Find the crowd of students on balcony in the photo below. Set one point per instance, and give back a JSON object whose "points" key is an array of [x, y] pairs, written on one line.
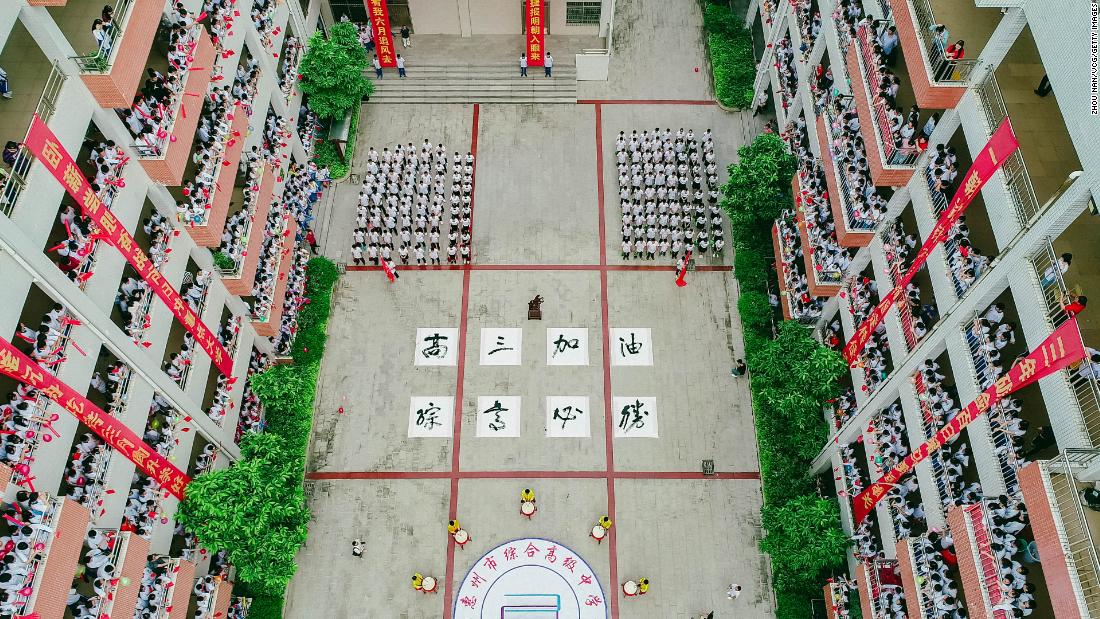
{"points": [[86, 469], [152, 114], [134, 294], [263, 18], [221, 403], [28, 520], [784, 67], [874, 358], [863, 203], [276, 228], [844, 406], [276, 134], [936, 553], [847, 15], [831, 260], [899, 250], [939, 403], [1008, 518], [905, 129], [967, 264], [156, 581], [821, 87], [220, 15], [100, 572], [213, 136], [809, 24], [802, 305], [903, 500], [238, 225], [293, 301], [252, 413], [292, 55]]}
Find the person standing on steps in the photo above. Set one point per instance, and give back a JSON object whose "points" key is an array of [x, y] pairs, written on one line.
{"points": [[406, 35], [377, 67], [548, 65], [523, 65], [400, 66]]}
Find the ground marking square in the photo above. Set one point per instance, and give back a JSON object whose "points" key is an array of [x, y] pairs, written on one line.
{"points": [[501, 346], [631, 346], [436, 346], [568, 416], [634, 416], [566, 346], [498, 416], [431, 416]]}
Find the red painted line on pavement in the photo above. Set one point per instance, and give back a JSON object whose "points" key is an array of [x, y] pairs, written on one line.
{"points": [[456, 428], [609, 447], [542, 267], [645, 102], [641, 475]]}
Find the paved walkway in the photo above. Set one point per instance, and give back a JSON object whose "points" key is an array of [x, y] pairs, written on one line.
{"points": [[545, 222]]}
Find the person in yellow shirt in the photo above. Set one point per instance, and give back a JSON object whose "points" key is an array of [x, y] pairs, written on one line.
{"points": [[527, 496], [453, 526], [605, 522], [418, 581], [643, 586]]}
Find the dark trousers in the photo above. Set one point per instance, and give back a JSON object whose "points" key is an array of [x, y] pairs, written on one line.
{"points": [[378, 73], [523, 71], [401, 72], [548, 71]]}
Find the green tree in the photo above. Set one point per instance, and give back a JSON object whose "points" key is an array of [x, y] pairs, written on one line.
{"points": [[759, 185], [332, 71], [804, 540], [255, 510]]}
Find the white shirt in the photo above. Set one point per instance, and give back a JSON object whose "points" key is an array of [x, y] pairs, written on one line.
{"points": [[549, 61], [523, 61], [400, 62]]}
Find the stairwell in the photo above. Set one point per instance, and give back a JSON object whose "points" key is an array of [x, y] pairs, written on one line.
{"points": [[480, 83]]}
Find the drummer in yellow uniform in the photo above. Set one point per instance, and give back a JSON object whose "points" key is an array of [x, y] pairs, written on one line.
{"points": [[605, 522], [643, 586], [527, 496], [418, 581], [453, 526]]}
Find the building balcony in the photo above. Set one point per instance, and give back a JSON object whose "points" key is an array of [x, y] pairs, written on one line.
{"points": [[54, 554], [938, 81], [915, 564], [113, 72], [890, 163], [875, 362], [1066, 528], [165, 154], [266, 321], [807, 16], [826, 278], [880, 592], [208, 231], [169, 580], [217, 599], [837, 600], [118, 588], [918, 312], [794, 293], [256, 204], [856, 217], [238, 608]]}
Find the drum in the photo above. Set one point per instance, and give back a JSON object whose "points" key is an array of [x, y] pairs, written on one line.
{"points": [[461, 537], [429, 584], [527, 508], [599, 532], [630, 588]]}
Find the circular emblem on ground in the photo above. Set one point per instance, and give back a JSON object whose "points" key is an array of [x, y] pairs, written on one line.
{"points": [[530, 578]]}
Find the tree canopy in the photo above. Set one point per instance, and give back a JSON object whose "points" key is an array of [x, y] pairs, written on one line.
{"points": [[332, 71]]}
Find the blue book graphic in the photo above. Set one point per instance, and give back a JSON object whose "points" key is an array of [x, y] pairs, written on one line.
{"points": [[531, 606]]}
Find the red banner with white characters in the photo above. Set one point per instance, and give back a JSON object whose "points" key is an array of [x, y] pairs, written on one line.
{"points": [[536, 32], [113, 432], [1062, 349], [379, 14], [46, 147], [1000, 146]]}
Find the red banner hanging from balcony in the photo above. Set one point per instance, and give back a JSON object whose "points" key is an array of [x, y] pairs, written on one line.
{"points": [[536, 32], [46, 147], [1000, 146], [113, 432], [1063, 348], [379, 14]]}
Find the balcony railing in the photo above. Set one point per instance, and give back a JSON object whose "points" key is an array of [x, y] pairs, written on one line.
{"points": [[104, 604], [43, 536], [943, 69], [1017, 180], [929, 426], [919, 563], [950, 247], [1076, 539], [163, 595], [14, 181], [891, 152], [989, 570], [1085, 386], [100, 60]]}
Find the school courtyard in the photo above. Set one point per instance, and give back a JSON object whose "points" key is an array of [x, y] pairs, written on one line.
{"points": [[608, 405]]}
